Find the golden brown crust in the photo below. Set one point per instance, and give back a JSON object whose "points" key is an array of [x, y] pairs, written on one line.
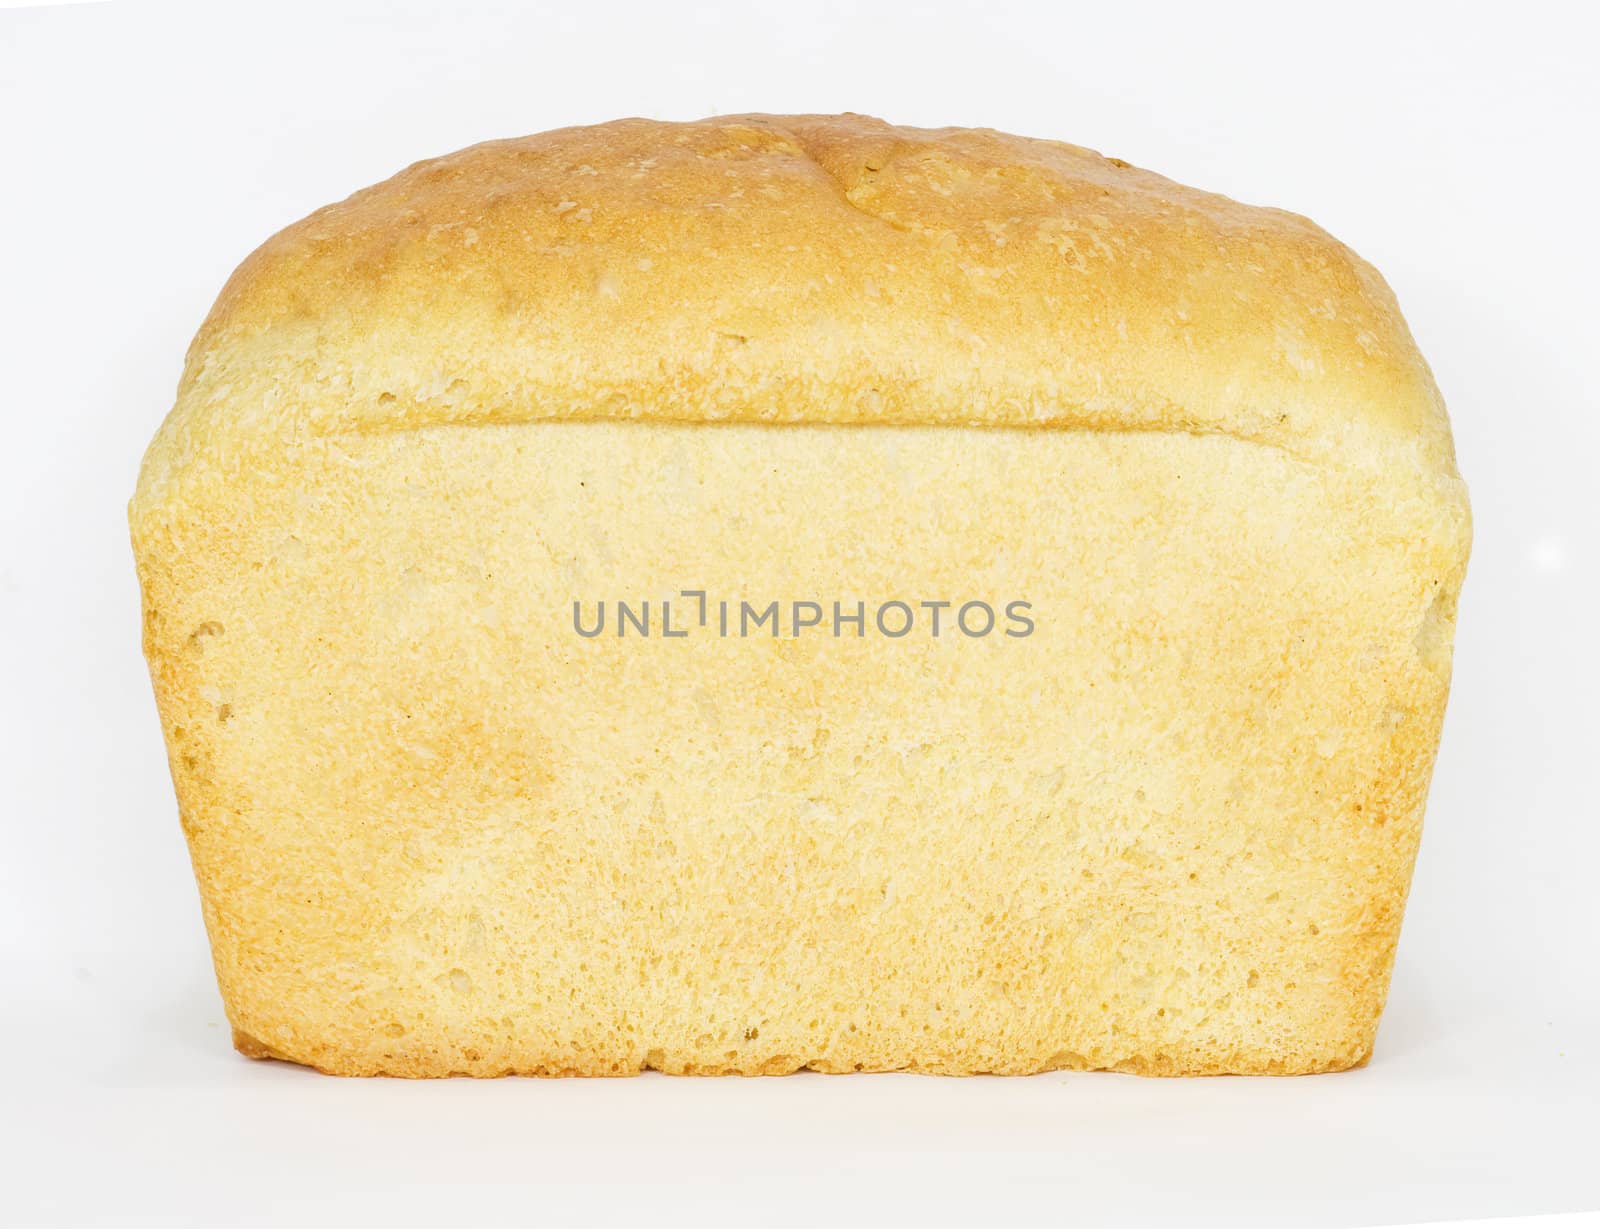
{"points": [[804, 269], [436, 833]]}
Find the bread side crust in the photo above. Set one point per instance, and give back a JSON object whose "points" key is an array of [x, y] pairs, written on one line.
{"points": [[435, 833]]}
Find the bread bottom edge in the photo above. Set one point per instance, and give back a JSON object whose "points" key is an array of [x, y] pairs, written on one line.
{"points": [[1153, 1066]]}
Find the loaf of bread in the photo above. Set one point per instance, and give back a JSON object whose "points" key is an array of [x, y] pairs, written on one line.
{"points": [[796, 592]]}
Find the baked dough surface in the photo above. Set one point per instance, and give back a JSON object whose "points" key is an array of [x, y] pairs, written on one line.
{"points": [[436, 830]]}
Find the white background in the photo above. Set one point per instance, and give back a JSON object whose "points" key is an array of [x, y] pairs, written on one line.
{"points": [[146, 151]]}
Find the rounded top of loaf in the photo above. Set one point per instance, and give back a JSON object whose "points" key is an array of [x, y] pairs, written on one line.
{"points": [[803, 269]]}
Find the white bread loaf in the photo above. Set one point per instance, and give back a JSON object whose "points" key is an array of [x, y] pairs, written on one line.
{"points": [[1159, 817]]}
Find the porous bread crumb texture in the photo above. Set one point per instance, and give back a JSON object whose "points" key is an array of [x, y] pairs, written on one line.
{"points": [[437, 832]]}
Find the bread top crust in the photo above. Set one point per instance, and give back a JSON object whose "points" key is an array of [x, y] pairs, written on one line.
{"points": [[804, 269]]}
